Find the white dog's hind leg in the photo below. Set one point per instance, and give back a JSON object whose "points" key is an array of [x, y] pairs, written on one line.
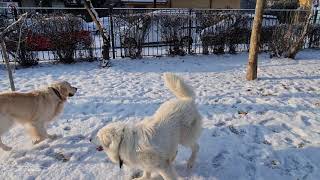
{"points": [[192, 159], [4, 147], [168, 173]]}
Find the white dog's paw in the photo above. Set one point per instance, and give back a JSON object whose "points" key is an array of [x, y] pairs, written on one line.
{"points": [[6, 148]]}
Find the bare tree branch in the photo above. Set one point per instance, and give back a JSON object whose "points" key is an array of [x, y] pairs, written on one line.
{"points": [[4, 49], [11, 26], [106, 42]]}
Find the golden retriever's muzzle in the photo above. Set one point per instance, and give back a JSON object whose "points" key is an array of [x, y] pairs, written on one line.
{"points": [[72, 94]]}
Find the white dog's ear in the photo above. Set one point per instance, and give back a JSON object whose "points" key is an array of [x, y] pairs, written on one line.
{"points": [[103, 139], [111, 138]]}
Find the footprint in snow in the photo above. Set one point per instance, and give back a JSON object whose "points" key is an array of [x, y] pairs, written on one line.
{"points": [[305, 120], [234, 130], [251, 171], [288, 140], [219, 124], [218, 160]]}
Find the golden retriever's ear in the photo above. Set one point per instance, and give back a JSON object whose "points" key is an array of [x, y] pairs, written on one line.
{"points": [[63, 91]]}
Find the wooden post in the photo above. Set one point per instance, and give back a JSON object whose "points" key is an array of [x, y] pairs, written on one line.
{"points": [[154, 3], [255, 40], [6, 59]]}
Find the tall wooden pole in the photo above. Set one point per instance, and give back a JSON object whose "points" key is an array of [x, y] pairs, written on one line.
{"points": [[154, 3], [255, 40]]}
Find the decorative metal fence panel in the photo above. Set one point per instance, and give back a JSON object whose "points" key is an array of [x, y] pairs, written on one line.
{"points": [[139, 33]]}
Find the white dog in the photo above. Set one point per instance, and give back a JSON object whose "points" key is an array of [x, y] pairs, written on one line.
{"points": [[152, 144]]}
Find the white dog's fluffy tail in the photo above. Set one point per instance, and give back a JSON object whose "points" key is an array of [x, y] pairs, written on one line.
{"points": [[178, 87]]}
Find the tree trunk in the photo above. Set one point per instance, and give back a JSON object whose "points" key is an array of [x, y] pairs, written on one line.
{"points": [[106, 40], [255, 40], [6, 59]]}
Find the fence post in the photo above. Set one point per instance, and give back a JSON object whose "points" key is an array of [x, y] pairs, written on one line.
{"points": [[112, 33], [190, 40], [15, 13]]}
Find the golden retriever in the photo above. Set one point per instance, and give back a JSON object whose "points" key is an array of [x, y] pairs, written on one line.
{"points": [[34, 110], [152, 144]]}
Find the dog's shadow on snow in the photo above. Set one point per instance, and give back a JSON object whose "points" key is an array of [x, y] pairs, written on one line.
{"points": [[213, 63], [243, 153], [240, 152]]}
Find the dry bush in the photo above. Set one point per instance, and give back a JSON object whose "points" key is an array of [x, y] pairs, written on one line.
{"points": [[314, 36], [17, 46], [137, 28], [223, 30], [174, 31], [284, 36], [64, 35]]}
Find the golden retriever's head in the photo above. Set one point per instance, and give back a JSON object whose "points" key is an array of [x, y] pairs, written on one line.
{"points": [[108, 139], [65, 89]]}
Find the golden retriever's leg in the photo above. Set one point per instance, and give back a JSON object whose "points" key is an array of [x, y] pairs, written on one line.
{"points": [[192, 159], [4, 147], [5, 124], [37, 132], [146, 176], [168, 173]]}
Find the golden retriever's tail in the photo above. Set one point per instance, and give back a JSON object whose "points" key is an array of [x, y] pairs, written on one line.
{"points": [[178, 87]]}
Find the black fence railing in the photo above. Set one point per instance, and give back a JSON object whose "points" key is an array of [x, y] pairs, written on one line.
{"points": [[54, 34]]}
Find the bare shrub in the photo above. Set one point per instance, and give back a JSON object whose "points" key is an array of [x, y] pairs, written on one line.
{"points": [[173, 32], [17, 46], [223, 30], [134, 33], [64, 35], [283, 37], [314, 36]]}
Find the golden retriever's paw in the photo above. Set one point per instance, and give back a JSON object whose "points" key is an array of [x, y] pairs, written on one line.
{"points": [[6, 148], [53, 137], [190, 164], [37, 140]]}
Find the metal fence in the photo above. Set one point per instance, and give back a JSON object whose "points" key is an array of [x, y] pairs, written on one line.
{"points": [[155, 32]]}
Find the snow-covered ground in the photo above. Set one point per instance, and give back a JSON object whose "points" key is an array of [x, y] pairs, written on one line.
{"points": [[265, 129]]}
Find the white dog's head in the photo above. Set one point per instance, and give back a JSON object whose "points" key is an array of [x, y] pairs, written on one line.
{"points": [[108, 139]]}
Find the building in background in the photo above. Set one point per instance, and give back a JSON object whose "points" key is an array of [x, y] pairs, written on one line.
{"points": [[207, 4], [145, 3]]}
